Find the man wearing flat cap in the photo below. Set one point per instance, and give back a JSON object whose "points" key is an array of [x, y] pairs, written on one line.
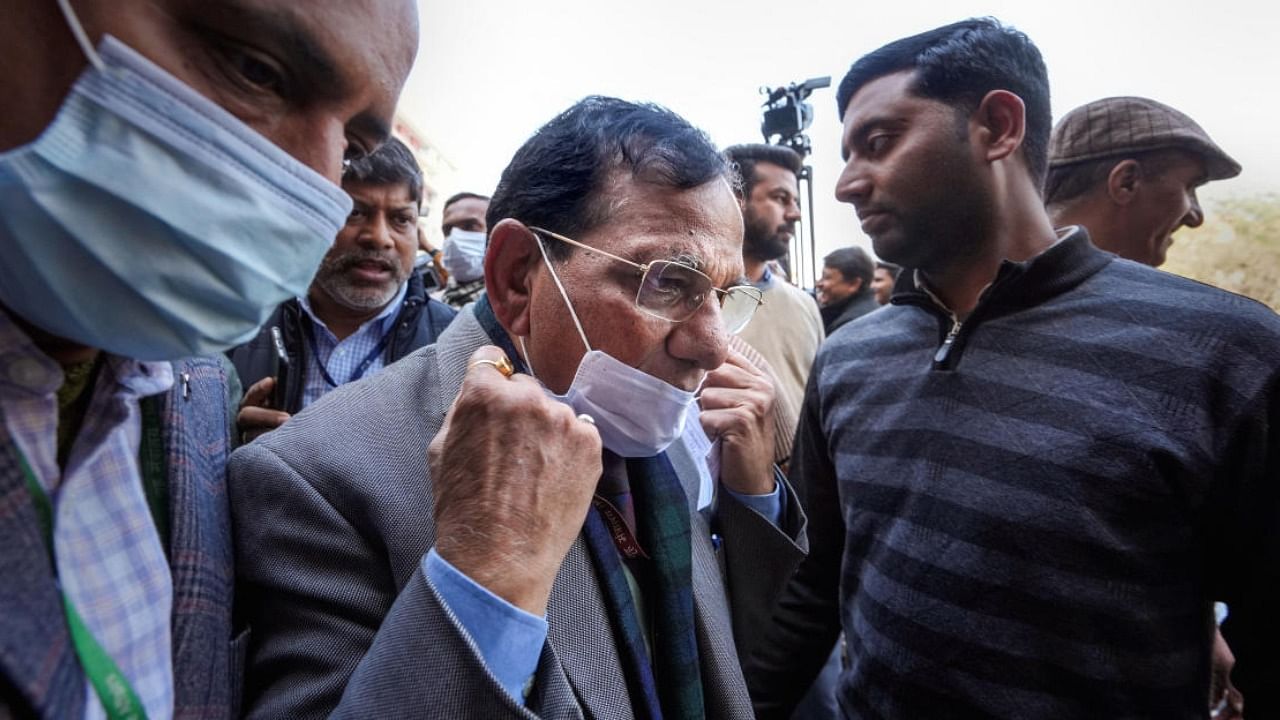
{"points": [[1127, 168]]}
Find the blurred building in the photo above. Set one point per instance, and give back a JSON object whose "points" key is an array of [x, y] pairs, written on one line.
{"points": [[436, 169]]}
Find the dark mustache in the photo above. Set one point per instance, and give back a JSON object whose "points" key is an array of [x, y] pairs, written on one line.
{"points": [[350, 260]]}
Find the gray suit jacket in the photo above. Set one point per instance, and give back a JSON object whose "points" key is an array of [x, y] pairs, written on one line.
{"points": [[333, 513]]}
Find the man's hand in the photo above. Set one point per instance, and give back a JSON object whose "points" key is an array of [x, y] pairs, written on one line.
{"points": [[737, 409], [423, 243], [513, 472], [255, 418]]}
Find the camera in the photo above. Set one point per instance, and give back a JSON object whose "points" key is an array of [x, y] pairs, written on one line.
{"points": [[787, 115]]}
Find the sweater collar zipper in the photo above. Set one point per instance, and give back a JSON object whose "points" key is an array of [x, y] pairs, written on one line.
{"points": [[943, 353]]}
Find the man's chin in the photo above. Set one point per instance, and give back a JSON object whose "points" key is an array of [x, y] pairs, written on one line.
{"points": [[891, 247], [363, 297]]}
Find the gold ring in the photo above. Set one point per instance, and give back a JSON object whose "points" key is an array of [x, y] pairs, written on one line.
{"points": [[587, 419], [503, 366]]}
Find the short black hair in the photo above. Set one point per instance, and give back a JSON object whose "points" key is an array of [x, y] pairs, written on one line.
{"points": [[853, 263], [391, 164], [463, 196], [746, 157], [557, 178], [893, 269], [960, 63]]}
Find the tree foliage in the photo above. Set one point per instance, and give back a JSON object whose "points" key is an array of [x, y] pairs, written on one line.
{"points": [[1237, 248]]}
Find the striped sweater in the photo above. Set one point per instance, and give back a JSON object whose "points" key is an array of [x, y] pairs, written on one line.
{"points": [[1036, 509]]}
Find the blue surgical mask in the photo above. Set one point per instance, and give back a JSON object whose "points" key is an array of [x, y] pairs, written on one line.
{"points": [[637, 414], [464, 255], [149, 222]]}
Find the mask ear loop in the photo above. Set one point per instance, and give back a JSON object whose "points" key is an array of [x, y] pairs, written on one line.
{"points": [[556, 277], [525, 351], [82, 38]]}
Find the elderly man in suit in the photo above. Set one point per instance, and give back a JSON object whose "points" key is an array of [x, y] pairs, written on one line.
{"points": [[566, 507]]}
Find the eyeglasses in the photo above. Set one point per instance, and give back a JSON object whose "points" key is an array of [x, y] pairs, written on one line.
{"points": [[674, 291]]}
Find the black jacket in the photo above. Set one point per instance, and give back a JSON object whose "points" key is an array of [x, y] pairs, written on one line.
{"points": [[420, 322], [851, 308]]}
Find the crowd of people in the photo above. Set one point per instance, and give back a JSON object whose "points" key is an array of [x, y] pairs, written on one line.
{"points": [[269, 453]]}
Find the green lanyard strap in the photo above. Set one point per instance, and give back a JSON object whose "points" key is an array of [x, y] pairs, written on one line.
{"points": [[117, 695]]}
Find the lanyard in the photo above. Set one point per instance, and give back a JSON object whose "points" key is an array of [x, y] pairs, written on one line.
{"points": [[619, 530], [113, 688], [310, 332]]}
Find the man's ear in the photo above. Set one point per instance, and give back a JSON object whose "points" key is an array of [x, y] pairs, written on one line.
{"points": [[509, 265], [1001, 118], [1123, 181], [857, 285]]}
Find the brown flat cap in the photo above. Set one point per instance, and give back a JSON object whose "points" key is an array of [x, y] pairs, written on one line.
{"points": [[1128, 125]]}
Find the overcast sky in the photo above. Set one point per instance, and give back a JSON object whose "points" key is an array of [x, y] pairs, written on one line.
{"points": [[490, 72]]}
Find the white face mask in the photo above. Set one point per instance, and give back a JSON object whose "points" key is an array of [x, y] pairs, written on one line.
{"points": [[637, 414], [464, 255], [149, 222]]}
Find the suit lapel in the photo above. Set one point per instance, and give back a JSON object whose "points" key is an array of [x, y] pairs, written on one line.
{"points": [[35, 648], [723, 687], [453, 351], [583, 638]]}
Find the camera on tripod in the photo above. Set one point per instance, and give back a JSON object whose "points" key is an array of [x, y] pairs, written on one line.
{"points": [[787, 115]]}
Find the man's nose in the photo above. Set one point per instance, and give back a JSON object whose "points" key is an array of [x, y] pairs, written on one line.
{"points": [[377, 232], [320, 143], [792, 213], [853, 184], [701, 339], [1195, 215]]}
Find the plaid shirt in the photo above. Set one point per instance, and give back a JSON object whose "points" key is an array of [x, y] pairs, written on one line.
{"points": [[110, 561], [342, 359]]}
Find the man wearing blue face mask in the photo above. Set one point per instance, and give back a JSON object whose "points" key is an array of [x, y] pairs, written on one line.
{"points": [[366, 308], [147, 215], [464, 245], [598, 528]]}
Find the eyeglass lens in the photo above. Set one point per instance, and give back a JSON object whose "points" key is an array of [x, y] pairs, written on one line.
{"points": [[675, 292]]}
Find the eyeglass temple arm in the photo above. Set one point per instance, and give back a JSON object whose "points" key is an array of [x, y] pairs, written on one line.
{"points": [[636, 265], [588, 248]]}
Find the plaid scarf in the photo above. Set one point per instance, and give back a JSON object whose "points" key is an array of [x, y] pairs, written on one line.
{"points": [[671, 687]]}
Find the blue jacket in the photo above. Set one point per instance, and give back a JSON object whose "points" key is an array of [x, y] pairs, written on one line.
{"points": [[420, 322]]}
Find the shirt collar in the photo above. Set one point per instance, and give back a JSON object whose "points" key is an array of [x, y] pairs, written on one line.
{"points": [[1068, 262], [766, 279]]}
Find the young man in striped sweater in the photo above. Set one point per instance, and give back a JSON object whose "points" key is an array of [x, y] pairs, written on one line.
{"points": [[1032, 473]]}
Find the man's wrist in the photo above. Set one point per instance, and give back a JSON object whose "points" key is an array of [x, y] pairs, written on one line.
{"points": [[761, 481], [513, 580], [770, 505]]}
